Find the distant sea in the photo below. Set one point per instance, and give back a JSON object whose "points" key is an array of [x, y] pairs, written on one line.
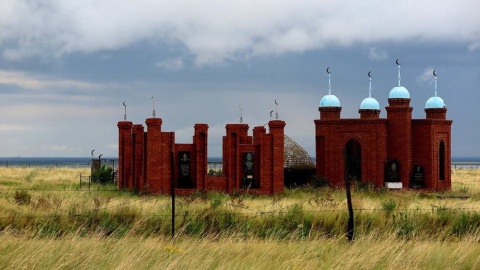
{"points": [[86, 161], [63, 161]]}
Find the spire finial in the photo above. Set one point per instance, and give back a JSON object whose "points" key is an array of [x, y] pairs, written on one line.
{"points": [[435, 74], [370, 87], [241, 113], [329, 82], [276, 110], [399, 77], [125, 113], [153, 103]]}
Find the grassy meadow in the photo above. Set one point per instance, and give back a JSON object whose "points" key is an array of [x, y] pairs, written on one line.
{"points": [[47, 221]]}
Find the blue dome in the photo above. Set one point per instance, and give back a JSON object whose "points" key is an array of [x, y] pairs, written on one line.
{"points": [[329, 101], [435, 103], [399, 92], [369, 104]]}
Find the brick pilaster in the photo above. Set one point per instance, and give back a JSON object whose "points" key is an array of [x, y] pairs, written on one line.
{"points": [[124, 152]]}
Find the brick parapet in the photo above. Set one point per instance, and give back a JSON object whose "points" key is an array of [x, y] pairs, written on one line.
{"points": [[330, 112], [369, 114], [438, 113]]}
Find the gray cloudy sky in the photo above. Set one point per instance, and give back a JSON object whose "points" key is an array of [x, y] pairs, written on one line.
{"points": [[66, 66]]}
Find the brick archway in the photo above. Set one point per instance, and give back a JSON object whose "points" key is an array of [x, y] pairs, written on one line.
{"points": [[441, 160]]}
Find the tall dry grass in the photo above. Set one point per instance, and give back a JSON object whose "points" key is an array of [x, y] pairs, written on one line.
{"points": [[66, 226], [235, 253]]}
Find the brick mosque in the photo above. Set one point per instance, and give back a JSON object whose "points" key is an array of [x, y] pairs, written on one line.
{"points": [[396, 152]]}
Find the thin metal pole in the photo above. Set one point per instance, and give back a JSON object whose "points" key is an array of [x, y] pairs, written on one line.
{"points": [[172, 167], [350, 226]]}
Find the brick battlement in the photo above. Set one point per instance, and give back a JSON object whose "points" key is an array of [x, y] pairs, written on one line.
{"points": [[151, 161]]}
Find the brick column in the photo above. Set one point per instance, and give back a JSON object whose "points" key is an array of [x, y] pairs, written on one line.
{"points": [[138, 162], [259, 134], [399, 142], [153, 143], [124, 152], [200, 141], [277, 132], [232, 168]]}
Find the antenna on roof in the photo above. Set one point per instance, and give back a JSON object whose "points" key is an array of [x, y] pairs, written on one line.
{"points": [[370, 87], [153, 103], [399, 77], [241, 113], [435, 74], [125, 114], [329, 81]]}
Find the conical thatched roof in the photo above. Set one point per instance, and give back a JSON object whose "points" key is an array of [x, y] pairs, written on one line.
{"points": [[295, 156]]}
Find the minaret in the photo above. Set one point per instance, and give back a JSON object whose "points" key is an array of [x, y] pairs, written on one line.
{"points": [[435, 106], [369, 108], [399, 142], [329, 105]]}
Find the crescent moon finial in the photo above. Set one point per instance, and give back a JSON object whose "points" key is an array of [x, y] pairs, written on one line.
{"points": [[92, 152], [125, 113], [100, 157], [276, 103], [369, 74], [396, 61], [434, 72], [271, 113], [328, 70]]}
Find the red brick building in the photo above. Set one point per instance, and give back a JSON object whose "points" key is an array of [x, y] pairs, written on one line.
{"points": [[149, 160], [397, 152]]}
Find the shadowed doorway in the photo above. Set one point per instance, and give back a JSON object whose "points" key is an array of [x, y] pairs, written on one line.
{"points": [[353, 160]]}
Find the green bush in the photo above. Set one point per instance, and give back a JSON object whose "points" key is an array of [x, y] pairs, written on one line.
{"points": [[104, 175], [22, 197]]}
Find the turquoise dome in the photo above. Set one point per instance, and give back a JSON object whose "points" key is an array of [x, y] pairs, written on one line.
{"points": [[329, 101], [369, 104], [399, 92], [435, 103]]}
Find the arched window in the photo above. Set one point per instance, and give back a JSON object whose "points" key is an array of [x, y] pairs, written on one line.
{"points": [[353, 160], [441, 160]]}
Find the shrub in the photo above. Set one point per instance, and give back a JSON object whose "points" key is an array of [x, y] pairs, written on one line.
{"points": [[389, 206], [318, 181], [103, 176], [22, 197]]}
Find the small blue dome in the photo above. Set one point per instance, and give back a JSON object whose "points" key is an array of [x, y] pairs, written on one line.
{"points": [[369, 104], [399, 92], [435, 103], [329, 101]]}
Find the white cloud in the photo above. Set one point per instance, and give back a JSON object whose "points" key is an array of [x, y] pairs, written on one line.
{"points": [[215, 31], [426, 76], [57, 148], [30, 81], [172, 64], [14, 127], [376, 54]]}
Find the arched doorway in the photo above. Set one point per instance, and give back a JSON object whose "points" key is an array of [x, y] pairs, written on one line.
{"points": [[441, 160], [353, 160]]}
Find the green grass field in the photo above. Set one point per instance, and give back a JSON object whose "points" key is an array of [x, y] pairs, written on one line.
{"points": [[47, 221]]}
